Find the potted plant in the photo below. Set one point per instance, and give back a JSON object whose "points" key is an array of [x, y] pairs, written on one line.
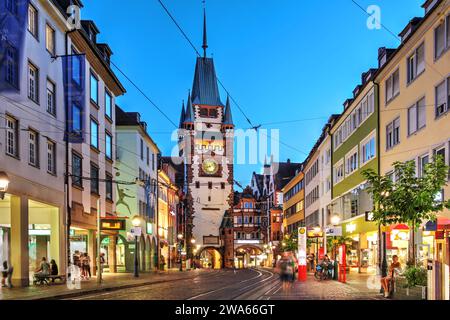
{"points": [[413, 284]]}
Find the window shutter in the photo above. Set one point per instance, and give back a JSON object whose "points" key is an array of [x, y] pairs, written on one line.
{"points": [[439, 40], [412, 120], [420, 59], [421, 114]]}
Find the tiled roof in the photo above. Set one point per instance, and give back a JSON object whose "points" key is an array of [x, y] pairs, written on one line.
{"points": [[205, 90]]}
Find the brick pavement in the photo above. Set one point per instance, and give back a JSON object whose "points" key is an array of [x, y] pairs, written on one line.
{"points": [[110, 282], [358, 287]]}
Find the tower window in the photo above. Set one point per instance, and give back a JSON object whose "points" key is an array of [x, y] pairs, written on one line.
{"points": [[222, 185], [210, 185], [197, 184]]}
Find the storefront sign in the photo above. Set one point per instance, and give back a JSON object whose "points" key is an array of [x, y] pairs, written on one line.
{"points": [[397, 235], [210, 240], [431, 226], [113, 224], [136, 231], [313, 234], [350, 228], [334, 231]]}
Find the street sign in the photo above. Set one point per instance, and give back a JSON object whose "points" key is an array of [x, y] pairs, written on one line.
{"points": [[136, 231], [334, 231], [302, 234], [113, 224]]}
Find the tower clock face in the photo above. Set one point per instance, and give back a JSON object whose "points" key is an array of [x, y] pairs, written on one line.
{"points": [[210, 166]]}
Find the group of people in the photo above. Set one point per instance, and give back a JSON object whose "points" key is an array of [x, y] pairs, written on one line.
{"points": [[83, 261], [46, 268]]}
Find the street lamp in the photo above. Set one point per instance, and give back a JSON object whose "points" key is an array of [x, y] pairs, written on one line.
{"points": [[4, 183], [136, 222], [335, 220], [180, 238]]}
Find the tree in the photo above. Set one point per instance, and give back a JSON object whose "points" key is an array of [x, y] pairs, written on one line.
{"points": [[410, 199], [290, 242]]}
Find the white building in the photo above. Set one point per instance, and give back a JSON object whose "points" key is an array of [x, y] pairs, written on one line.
{"points": [[137, 157]]}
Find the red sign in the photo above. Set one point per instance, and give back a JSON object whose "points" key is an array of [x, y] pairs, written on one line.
{"points": [[321, 253], [342, 263]]}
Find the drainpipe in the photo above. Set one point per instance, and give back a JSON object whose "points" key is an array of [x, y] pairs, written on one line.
{"points": [[381, 234]]}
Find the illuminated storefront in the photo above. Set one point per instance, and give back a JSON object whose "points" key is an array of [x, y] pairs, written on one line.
{"points": [[362, 251]]}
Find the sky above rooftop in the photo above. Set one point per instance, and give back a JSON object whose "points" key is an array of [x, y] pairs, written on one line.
{"points": [[281, 60]]}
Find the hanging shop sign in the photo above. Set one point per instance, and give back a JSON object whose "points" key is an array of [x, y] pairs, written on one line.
{"points": [[314, 234], [430, 226], [369, 216], [334, 231], [113, 224], [350, 228]]}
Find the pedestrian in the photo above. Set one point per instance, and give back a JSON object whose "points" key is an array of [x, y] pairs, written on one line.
{"points": [[87, 265], [76, 258], [102, 261], [312, 262]]}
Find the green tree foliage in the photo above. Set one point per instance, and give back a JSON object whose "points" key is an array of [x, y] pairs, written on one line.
{"points": [[411, 199]]}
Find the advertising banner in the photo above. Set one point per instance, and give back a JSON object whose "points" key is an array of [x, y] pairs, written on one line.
{"points": [[13, 18], [302, 234], [74, 75]]}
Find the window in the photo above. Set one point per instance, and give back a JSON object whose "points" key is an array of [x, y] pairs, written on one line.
{"points": [[222, 185], [148, 156], [12, 137], [442, 97], [11, 66], [94, 179], [33, 83], [393, 134], [51, 98], [77, 172], [76, 118], [153, 161], [33, 148], [33, 20], [76, 67], [351, 162], [108, 145], [339, 172], [393, 86], [142, 149], [197, 184], [416, 63], [210, 185], [442, 38], [423, 161], [368, 151], [50, 39], [94, 134], [51, 157], [108, 104], [108, 186], [417, 117], [94, 89]]}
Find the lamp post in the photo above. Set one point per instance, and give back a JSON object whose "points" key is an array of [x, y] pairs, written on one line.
{"points": [[4, 183], [180, 238], [317, 230], [335, 220], [136, 222]]}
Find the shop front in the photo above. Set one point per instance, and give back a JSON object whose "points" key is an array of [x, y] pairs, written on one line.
{"points": [[362, 246], [29, 231]]}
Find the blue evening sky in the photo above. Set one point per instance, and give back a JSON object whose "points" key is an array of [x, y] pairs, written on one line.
{"points": [[280, 59]]}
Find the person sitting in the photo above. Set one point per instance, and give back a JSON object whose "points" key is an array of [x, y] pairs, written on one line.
{"points": [[394, 270], [44, 268], [6, 275]]}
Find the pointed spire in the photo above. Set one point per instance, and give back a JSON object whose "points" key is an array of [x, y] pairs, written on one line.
{"points": [[205, 40], [189, 111], [228, 118], [183, 115]]}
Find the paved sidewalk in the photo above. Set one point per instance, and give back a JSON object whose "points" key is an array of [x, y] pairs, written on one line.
{"points": [[110, 282]]}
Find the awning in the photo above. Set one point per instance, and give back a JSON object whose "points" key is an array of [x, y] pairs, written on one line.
{"points": [[400, 226], [443, 224]]}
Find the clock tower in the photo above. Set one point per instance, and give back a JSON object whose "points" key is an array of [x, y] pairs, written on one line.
{"points": [[206, 134]]}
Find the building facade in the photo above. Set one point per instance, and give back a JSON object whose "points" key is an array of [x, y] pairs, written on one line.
{"points": [[414, 118], [92, 147], [294, 204], [206, 145], [354, 141], [136, 159], [32, 212]]}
